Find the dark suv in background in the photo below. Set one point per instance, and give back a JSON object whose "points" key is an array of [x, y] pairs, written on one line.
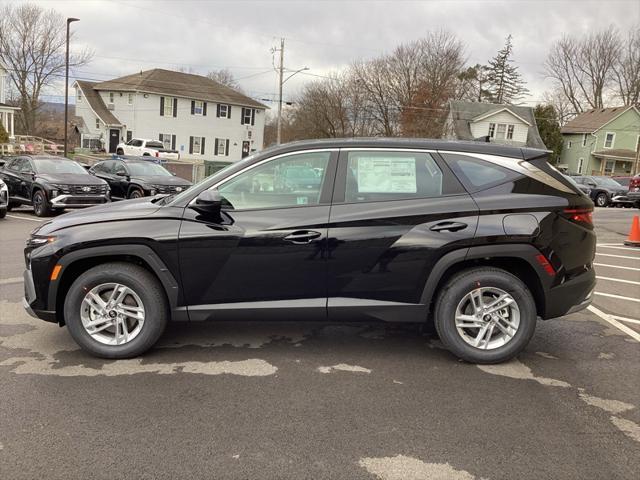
{"points": [[135, 178], [51, 184], [604, 190], [481, 240]]}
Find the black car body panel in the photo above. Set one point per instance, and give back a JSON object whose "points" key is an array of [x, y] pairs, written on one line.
{"points": [[343, 257]]}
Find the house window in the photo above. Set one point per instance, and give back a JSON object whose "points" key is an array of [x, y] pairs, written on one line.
{"points": [[492, 130], [129, 135], [167, 106], [568, 144], [584, 139], [165, 138], [609, 139], [580, 164], [248, 116], [510, 132], [79, 96], [198, 107], [97, 123], [130, 99], [196, 145], [501, 131], [111, 97], [224, 111], [608, 167], [222, 147]]}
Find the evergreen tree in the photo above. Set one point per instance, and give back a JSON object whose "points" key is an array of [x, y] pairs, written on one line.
{"points": [[504, 81], [549, 128], [4, 136]]}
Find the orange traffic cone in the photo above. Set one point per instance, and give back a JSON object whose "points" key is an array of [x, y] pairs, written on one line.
{"points": [[634, 235]]}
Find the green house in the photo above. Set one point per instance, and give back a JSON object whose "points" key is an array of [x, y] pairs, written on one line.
{"points": [[602, 141]]}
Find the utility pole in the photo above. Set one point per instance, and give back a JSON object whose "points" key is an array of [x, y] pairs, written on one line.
{"points": [[280, 82], [66, 88]]}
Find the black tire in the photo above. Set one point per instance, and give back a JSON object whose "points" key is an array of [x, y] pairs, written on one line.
{"points": [[146, 286], [3, 212], [119, 151], [601, 200], [41, 205], [463, 283], [136, 193], [11, 206]]}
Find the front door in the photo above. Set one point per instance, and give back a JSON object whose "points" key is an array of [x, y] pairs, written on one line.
{"points": [[268, 255], [395, 213], [114, 139], [245, 148]]}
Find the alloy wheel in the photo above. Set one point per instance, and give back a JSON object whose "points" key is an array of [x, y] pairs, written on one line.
{"points": [[112, 314], [487, 318]]}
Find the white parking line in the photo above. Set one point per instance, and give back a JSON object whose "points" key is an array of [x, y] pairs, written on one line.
{"points": [[617, 256], [617, 296], [616, 266], [608, 318], [9, 281], [24, 218], [618, 280], [625, 319], [618, 247]]}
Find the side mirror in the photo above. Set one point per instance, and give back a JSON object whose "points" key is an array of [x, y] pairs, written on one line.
{"points": [[209, 203], [121, 174], [591, 184]]}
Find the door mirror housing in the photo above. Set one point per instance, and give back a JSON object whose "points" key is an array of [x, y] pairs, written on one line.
{"points": [[209, 202], [121, 173]]}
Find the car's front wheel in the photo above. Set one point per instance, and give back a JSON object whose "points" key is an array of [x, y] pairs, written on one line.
{"points": [[116, 310], [485, 315], [41, 205], [602, 200], [3, 212], [136, 193]]}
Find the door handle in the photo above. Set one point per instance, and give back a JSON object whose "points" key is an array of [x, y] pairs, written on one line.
{"points": [[302, 236], [450, 226]]}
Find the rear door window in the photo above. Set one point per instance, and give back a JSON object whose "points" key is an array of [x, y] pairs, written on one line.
{"points": [[476, 174]]}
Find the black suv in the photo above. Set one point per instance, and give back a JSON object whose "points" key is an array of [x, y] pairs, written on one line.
{"points": [[51, 184], [135, 178], [479, 239], [603, 189]]}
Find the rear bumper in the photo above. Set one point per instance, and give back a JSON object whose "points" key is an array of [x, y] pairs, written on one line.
{"points": [[572, 296], [78, 201]]}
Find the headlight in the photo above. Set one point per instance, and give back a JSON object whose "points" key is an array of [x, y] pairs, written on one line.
{"points": [[61, 188], [39, 240]]}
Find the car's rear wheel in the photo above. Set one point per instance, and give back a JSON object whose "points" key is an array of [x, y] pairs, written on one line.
{"points": [[601, 200], [485, 315], [116, 310], [136, 193], [41, 205], [119, 151], [3, 212]]}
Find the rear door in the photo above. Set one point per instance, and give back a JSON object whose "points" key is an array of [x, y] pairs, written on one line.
{"points": [[394, 214]]}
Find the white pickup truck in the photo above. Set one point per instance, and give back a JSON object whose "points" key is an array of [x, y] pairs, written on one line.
{"points": [[143, 147]]}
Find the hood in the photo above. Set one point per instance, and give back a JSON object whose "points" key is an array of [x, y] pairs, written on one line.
{"points": [[124, 210], [70, 178], [161, 180]]}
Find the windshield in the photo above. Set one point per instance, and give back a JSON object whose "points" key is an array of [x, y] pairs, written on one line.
{"points": [[55, 165], [147, 168], [607, 182], [573, 182]]}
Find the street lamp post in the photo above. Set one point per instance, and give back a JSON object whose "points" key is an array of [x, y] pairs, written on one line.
{"points": [[280, 100], [66, 88]]}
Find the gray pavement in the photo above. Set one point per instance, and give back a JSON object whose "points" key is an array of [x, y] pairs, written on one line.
{"points": [[275, 400]]}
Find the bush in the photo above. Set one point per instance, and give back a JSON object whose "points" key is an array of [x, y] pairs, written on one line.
{"points": [[4, 136]]}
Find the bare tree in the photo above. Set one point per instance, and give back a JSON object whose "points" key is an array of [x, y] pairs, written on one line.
{"points": [[583, 67], [563, 108], [627, 70], [32, 47], [225, 77], [381, 105]]}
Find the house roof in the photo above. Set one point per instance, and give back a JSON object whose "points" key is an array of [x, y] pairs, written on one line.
{"points": [[616, 152], [4, 105], [95, 102], [465, 113], [178, 84], [592, 120], [495, 112]]}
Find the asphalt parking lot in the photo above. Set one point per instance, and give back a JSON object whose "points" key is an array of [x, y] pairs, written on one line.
{"points": [[303, 400]]}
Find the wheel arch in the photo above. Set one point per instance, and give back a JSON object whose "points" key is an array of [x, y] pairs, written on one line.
{"points": [[78, 262], [515, 259]]}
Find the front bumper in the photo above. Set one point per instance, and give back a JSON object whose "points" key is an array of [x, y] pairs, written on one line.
{"points": [[78, 201], [30, 298]]}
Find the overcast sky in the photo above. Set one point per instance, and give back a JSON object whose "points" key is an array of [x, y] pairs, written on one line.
{"points": [[130, 35]]}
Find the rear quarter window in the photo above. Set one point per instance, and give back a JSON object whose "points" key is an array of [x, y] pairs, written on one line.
{"points": [[476, 174]]}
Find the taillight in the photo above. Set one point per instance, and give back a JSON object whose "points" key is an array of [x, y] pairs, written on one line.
{"points": [[635, 182], [544, 263], [580, 215], [157, 154]]}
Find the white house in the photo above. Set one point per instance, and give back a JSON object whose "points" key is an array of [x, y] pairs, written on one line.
{"points": [[7, 113], [195, 115], [505, 124]]}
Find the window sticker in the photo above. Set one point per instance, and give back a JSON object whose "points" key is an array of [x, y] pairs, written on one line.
{"points": [[386, 175]]}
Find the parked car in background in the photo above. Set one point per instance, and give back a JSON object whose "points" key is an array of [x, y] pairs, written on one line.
{"points": [[4, 198], [129, 178], [634, 190], [51, 184], [143, 147], [603, 189], [583, 188], [478, 238]]}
